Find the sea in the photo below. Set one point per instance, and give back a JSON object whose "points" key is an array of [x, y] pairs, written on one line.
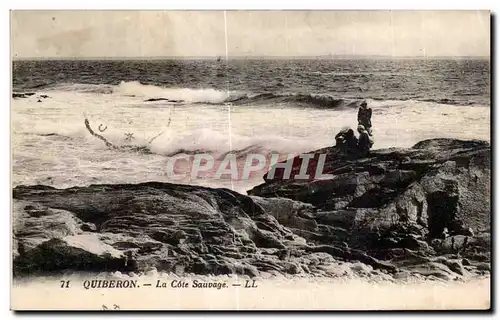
{"points": [[153, 110]]}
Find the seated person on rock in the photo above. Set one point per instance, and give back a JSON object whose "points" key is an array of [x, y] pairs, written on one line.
{"points": [[365, 117], [346, 140], [365, 140]]}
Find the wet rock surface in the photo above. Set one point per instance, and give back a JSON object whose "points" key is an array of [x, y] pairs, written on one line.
{"points": [[19, 95], [393, 213], [23, 95], [163, 99]]}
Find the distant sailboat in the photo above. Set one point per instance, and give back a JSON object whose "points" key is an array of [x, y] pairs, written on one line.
{"points": [[218, 59]]}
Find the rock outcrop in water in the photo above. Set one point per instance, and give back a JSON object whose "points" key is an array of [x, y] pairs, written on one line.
{"points": [[22, 95], [163, 99], [392, 213]]}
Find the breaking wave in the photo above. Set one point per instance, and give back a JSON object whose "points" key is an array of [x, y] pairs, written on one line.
{"points": [[154, 93]]}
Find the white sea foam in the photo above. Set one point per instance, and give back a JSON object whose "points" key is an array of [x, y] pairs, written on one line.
{"points": [[52, 146]]}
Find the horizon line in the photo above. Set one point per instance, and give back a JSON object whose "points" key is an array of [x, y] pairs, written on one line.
{"points": [[269, 57]]}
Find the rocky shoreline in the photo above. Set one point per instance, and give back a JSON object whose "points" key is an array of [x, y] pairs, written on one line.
{"points": [[394, 213]]}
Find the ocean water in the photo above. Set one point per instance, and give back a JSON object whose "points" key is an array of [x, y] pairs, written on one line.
{"points": [[173, 107]]}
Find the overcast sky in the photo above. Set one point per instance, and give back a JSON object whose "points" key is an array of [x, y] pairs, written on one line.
{"points": [[115, 34]]}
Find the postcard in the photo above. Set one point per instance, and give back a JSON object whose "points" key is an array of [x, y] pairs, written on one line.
{"points": [[251, 160]]}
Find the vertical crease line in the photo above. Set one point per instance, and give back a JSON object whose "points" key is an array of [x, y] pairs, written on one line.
{"points": [[227, 93]]}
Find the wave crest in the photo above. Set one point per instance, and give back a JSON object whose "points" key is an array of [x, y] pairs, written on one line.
{"points": [[187, 95], [317, 100], [81, 87], [153, 93]]}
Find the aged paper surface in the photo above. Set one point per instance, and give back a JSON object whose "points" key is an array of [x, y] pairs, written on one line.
{"points": [[250, 160]]}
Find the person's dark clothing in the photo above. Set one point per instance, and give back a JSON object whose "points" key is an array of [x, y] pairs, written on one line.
{"points": [[365, 117], [365, 143], [346, 140]]}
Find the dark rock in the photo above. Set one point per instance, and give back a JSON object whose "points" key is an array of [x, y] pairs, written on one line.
{"points": [[163, 99], [350, 255], [22, 95], [433, 185], [384, 210], [465, 262], [57, 254], [37, 211], [90, 227], [454, 265], [165, 225], [483, 266]]}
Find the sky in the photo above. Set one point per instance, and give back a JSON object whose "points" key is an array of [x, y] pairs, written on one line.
{"points": [[209, 34]]}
